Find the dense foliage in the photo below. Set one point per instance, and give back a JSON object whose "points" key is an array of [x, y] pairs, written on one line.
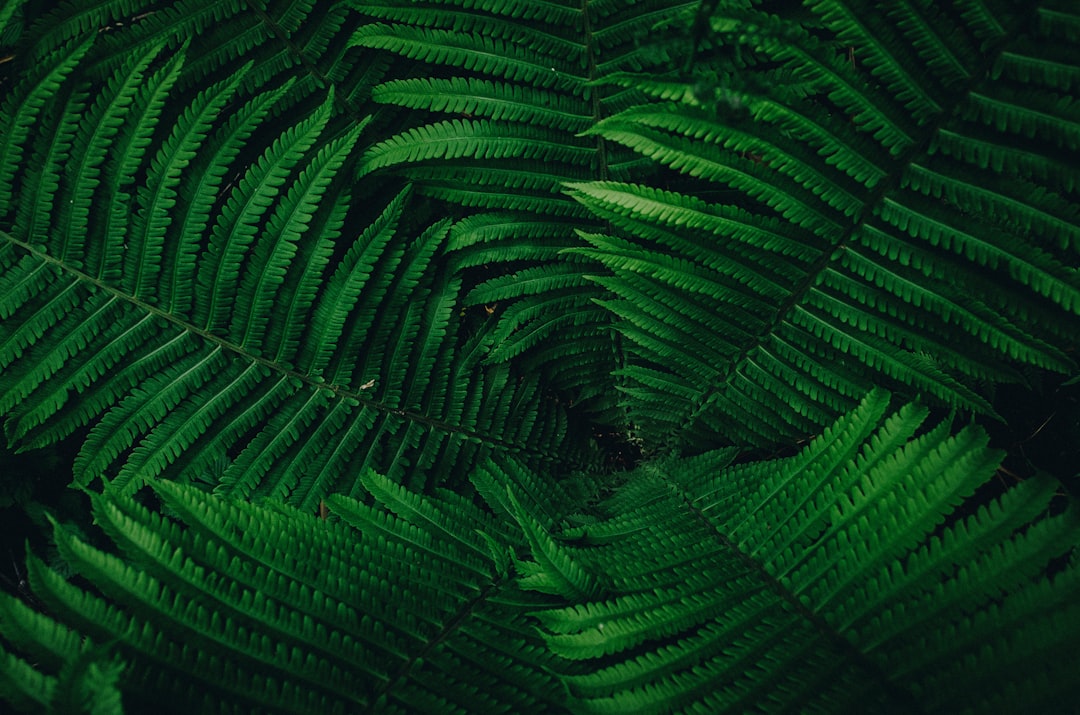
{"points": [[540, 355]]}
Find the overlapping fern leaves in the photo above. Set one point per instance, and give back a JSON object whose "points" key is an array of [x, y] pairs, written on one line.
{"points": [[406, 612], [709, 223], [899, 207], [849, 578], [510, 98], [246, 326]]}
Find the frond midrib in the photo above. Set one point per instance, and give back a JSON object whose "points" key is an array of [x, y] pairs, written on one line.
{"points": [[873, 199], [288, 372], [818, 623], [402, 675]]}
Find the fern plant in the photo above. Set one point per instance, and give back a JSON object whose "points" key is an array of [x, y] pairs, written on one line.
{"points": [[165, 321], [511, 103], [839, 580], [334, 301], [897, 227]]}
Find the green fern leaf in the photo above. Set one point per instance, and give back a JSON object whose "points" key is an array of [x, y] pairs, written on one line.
{"points": [[910, 233], [219, 332], [412, 352], [852, 573]]}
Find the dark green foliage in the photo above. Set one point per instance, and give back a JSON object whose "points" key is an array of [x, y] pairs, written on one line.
{"points": [[341, 304], [774, 585], [510, 102], [891, 226], [262, 320], [847, 578], [305, 615]]}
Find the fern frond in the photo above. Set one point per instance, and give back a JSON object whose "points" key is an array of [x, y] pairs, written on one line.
{"points": [[480, 52], [147, 235], [475, 139], [392, 614], [757, 561], [856, 571], [24, 105], [477, 97], [228, 331], [357, 312], [85, 683], [918, 227], [525, 88]]}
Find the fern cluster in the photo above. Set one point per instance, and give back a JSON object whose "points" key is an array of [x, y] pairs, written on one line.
{"points": [[337, 303], [692, 588], [244, 323]]}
